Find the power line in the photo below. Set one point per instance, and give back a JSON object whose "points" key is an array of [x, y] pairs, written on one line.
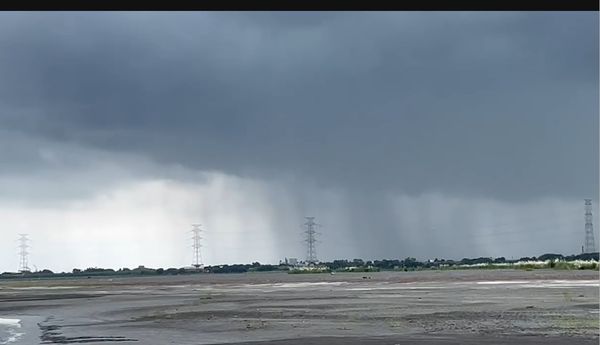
{"points": [[23, 253], [197, 258], [311, 250], [590, 243]]}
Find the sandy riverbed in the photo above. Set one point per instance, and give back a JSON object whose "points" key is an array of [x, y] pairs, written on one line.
{"points": [[433, 307]]}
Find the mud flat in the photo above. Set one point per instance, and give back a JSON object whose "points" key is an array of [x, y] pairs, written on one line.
{"points": [[428, 307]]}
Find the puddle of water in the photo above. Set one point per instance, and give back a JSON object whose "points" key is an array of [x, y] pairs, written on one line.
{"points": [[543, 283], [43, 288], [9, 330]]}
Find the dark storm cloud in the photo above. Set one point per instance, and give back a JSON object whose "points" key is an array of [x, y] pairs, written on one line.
{"points": [[501, 105]]}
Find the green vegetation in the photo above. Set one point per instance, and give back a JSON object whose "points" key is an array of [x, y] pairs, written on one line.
{"points": [[532, 265], [309, 270], [360, 269], [546, 261]]}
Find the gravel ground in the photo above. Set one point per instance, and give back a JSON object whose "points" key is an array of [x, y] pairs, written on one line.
{"points": [[430, 307]]}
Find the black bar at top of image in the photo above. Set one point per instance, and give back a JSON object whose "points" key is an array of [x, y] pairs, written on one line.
{"points": [[296, 5]]}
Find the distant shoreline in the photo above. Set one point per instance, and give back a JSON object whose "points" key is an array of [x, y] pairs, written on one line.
{"points": [[547, 261]]}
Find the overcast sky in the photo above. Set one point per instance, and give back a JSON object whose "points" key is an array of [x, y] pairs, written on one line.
{"points": [[417, 134]]}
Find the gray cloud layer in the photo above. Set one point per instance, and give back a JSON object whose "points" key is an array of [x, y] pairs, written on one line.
{"points": [[490, 105], [502, 105]]}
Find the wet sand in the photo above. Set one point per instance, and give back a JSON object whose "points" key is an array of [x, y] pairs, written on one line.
{"points": [[430, 307]]}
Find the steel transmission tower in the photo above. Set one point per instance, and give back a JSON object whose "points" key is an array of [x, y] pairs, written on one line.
{"points": [[590, 243], [311, 250], [23, 265], [196, 238]]}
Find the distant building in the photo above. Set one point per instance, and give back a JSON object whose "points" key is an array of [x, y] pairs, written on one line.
{"points": [[289, 262]]}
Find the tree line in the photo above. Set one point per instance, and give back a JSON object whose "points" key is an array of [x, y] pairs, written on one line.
{"points": [[358, 265]]}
